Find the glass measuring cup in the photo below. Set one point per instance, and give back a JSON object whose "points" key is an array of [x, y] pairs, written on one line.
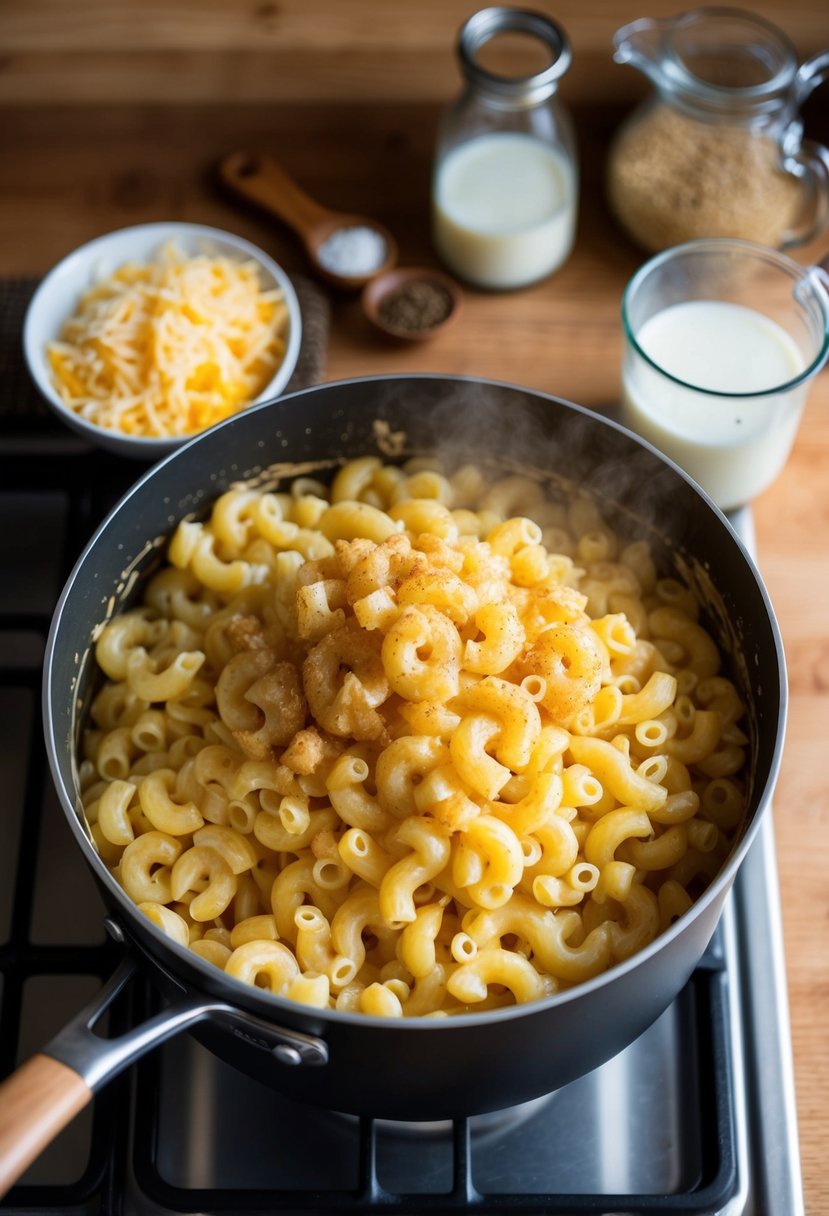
{"points": [[717, 148], [722, 339]]}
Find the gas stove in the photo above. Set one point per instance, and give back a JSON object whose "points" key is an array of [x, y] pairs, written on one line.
{"points": [[696, 1116]]}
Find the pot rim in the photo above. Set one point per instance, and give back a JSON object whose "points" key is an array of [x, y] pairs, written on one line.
{"points": [[273, 1008]]}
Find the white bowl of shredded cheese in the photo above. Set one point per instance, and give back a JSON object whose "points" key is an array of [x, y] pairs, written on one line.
{"points": [[147, 336]]}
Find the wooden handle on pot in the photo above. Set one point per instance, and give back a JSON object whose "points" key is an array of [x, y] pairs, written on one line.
{"points": [[36, 1103]]}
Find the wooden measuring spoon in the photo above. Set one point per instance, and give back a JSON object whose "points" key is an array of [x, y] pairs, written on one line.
{"points": [[258, 178]]}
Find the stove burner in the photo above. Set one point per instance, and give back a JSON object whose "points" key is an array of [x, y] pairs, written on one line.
{"points": [[656, 1120], [490, 1126]]}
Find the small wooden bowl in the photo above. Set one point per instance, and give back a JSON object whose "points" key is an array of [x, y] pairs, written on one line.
{"points": [[380, 291]]}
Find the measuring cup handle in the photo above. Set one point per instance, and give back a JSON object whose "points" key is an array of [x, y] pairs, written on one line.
{"points": [[260, 179], [810, 164]]}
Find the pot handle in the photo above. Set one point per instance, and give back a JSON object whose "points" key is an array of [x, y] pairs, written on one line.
{"points": [[36, 1102], [45, 1093]]}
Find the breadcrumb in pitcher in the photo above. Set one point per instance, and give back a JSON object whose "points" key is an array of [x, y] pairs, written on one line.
{"points": [[673, 179]]}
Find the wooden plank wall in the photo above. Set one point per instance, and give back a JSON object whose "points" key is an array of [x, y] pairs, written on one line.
{"points": [[111, 51]]}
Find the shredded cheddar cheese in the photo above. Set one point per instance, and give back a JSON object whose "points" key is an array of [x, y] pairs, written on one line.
{"points": [[170, 347]]}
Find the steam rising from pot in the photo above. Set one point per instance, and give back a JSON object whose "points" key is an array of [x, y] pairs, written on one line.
{"points": [[473, 421]]}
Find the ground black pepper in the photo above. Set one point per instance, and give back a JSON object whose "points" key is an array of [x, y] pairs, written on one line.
{"points": [[415, 306]]}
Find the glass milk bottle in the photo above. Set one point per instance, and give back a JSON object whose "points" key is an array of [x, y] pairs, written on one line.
{"points": [[505, 181], [716, 149]]}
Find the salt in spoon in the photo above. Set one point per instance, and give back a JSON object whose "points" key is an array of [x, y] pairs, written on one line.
{"points": [[260, 179]]}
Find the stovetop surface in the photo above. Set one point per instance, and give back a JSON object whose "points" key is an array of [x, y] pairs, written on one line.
{"points": [[696, 1116]]}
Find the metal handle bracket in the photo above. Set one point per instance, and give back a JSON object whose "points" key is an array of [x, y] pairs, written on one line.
{"points": [[97, 1059]]}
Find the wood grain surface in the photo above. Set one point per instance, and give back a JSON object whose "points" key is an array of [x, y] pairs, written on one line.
{"points": [[100, 51], [117, 113]]}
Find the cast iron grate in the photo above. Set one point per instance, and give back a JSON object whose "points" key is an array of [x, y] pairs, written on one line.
{"points": [[123, 1172], [85, 486], [711, 1193]]}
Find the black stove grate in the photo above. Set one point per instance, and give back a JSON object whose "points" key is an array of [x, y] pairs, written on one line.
{"points": [[85, 486], [123, 1173], [717, 1185]]}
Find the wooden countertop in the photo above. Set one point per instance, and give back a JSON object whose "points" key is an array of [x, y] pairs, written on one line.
{"points": [[115, 118]]}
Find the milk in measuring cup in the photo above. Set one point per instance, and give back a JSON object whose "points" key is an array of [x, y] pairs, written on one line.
{"points": [[504, 210], [733, 446]]}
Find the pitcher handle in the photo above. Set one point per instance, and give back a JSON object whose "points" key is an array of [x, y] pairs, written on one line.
{"points": [[808, 161], [805, 159], [810, 74]]}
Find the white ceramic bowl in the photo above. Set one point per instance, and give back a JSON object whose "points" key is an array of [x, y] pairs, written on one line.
{"points": [[57, 296]]}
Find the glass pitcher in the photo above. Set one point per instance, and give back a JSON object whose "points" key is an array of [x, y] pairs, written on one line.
{"points": [[505, 179], [718, 148]]}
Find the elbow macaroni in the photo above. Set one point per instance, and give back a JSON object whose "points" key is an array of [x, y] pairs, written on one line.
{"points": [[381, 748]]}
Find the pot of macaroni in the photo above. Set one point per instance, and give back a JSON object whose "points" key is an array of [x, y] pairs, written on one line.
{"points": [[414, 729]]}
